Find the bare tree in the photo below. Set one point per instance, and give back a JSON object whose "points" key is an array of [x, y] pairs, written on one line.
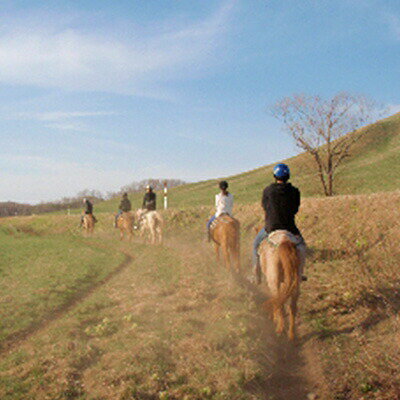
{"points": [[326, 128]]}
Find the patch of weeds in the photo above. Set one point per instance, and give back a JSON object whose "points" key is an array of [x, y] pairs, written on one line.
{"points": [[366, 387], [321, 326], [104, 328]]}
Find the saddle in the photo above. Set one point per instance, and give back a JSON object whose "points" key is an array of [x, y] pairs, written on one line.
{"points": [[275, 238], [222, 218]]}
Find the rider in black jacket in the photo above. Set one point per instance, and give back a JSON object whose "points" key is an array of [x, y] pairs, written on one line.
{"points": [[124, 206], [149, 199], [281, 202], [88, 209]]}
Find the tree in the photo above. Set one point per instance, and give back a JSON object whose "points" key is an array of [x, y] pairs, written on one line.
{"points": [[327, 129]]}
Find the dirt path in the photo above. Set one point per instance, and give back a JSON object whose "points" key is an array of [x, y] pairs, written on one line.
{"points": [[168, 324]]}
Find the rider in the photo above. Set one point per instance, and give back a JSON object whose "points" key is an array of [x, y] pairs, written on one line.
{"points": [[88, 209], [280, 201], [223, 204], [149, 199], [124, 206]]}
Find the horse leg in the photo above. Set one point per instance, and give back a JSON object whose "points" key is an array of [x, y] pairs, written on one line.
{"points": [[216, 246], [235, 257], [152, 235], [279, 320], [226, 256], [292, 315]]}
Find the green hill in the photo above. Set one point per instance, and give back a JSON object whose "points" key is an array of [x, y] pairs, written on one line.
{"points": [[374, 166]]}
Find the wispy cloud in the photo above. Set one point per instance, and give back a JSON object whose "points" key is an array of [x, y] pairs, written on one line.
{"points": [[50, 116], [393, 109], [75, 59], [63, 178]]}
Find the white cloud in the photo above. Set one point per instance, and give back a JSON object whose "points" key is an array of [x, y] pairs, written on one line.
{"points": [[74, 59], [393, 109], [62, 115]]}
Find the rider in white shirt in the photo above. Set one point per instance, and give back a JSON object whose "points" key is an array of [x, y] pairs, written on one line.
{"points": [[223, 204]]}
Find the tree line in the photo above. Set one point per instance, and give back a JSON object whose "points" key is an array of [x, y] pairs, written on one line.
{"points": [[11, 208]]}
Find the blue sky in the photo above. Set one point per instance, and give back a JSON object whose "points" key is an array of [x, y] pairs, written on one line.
{"points": [[96, 94]]}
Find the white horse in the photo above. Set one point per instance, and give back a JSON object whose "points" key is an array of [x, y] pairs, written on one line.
{"points": [[282, 259], [150, 224]]}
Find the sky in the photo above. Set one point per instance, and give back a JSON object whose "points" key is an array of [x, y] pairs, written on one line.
{"points": [[97, 94]]}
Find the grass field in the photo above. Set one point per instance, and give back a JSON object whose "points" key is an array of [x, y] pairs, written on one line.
{"points": [[171, 324]]}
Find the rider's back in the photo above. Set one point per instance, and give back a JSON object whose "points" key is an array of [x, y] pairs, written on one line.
{"points": [[223, 204], [281, 202]]}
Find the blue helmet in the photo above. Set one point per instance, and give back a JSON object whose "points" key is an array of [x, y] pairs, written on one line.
{"points": [[282, 172]]}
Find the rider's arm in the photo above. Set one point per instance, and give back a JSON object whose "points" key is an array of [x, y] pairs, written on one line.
{"points": [[296, 201], [265, 199]]}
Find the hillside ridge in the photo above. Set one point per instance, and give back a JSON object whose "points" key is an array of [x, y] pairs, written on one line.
{"points": [[366, 171]]}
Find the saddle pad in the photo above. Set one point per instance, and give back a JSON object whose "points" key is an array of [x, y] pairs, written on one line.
{"points": [[276, 237], [225, 218]]}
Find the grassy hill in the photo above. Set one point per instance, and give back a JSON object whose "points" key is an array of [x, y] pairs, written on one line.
{"points": [[374, 166]]}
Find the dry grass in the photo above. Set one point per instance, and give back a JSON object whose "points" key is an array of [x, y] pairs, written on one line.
{"points": [[175, 326], [350, 304]]}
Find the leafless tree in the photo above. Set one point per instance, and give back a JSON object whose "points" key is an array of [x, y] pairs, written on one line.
{"points": [[326, 128]]}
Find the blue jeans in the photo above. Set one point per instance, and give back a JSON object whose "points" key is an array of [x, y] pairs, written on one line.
{"points": [[256, 244], [117, 216], [210, 221]]}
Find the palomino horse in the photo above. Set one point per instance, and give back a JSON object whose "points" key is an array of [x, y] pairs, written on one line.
{"points": [[125, 225], [88, 224], [282, 258], [226, 235], [150, 225]]}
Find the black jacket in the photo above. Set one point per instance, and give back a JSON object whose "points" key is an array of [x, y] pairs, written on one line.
{"points": [[281, 201], [88, 207], [125, 205], [149, 201]]}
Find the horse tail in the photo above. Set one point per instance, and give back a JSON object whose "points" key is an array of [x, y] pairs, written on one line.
{"points": [[290, 262]]}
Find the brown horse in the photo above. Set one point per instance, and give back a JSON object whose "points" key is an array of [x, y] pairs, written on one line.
{"points": [[125, 225], [88, 224], [282, 257], [226, 235]]}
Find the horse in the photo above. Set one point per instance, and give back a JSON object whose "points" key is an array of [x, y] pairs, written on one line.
{"points": [[125, 225], [226, 235], [88, 224], [150, 223], [282, 258]]}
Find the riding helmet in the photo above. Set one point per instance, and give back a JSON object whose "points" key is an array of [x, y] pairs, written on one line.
{"points": [[223, 185], [281, 172]]}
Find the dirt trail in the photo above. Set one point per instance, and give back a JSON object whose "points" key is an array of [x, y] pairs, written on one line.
{"points": [[286, 366], [199, 300]]}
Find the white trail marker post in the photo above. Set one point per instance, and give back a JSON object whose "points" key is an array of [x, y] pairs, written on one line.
{"points": [[165, 196]]}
